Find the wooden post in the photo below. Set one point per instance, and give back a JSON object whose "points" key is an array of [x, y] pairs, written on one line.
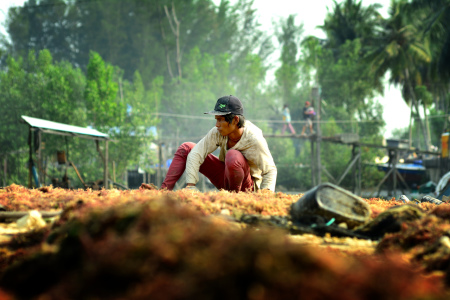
{"points": [[105, 179], [354, 170], [313, 164], [114, 171], [39, 158], [316, 95], [359, 191], [159, 179]]}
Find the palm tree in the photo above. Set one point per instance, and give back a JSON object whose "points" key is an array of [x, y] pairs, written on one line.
{"points": [[350, 21], [436, 27], [350, 28], [401, 50]]}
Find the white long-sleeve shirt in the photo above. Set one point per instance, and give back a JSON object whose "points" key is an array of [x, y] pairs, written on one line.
{"points": [[252, 145]]}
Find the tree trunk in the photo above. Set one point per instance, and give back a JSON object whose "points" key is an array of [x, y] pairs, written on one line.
{"points": [[176, 33], [166, 50], [427, 125]]}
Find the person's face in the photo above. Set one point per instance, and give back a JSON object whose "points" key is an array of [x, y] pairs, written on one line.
{"points": [[224, 127]]}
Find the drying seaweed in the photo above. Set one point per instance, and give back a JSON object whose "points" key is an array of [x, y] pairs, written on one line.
{"points": [[156, 244]]}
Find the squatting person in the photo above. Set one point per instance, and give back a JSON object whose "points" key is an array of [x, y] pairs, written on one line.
{"points": [[245, 162]]}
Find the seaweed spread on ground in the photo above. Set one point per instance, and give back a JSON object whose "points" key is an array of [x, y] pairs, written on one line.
{"points": [[177, 245]]}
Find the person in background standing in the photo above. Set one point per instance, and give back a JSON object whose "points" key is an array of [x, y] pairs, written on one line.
{"points": [[308, 115], [287, 120]]}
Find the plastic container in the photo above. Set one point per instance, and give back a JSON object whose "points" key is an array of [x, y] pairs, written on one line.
{"points": [[61, 157], [444, 144], [331, 201]]}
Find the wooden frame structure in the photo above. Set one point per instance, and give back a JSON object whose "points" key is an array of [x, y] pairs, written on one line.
{"points": [[354, 164], [39, 126]]}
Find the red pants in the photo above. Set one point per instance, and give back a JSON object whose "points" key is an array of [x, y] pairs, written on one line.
{"points": [[231, 175]]}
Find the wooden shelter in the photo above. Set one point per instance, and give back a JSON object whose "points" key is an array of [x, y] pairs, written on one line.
{"points": [[39, 126]]}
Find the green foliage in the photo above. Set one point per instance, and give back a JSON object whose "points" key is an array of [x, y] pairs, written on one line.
{"points": [[107, 99], [294, 171], [55, 91], [423, 94], [102, 102], [349, 21], [288, 75], [38, 88], [348, 89], [124, 66], [438, 123]]}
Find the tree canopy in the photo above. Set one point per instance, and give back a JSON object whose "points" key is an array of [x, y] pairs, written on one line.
{"points": [[145, 71]]}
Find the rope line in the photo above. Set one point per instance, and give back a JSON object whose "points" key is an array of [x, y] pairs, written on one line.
{"points": [[260, 121]]}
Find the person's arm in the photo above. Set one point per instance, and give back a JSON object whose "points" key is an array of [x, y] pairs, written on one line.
{"points": [[198, 154], [265, 163], [269, 179]]}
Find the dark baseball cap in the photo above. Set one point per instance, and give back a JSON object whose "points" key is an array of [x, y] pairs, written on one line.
{"points": [[227, 105]]}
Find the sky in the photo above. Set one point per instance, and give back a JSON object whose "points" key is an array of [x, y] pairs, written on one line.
{"points": [[311, 13]]}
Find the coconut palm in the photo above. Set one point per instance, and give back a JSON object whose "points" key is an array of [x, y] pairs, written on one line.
{"points": [[401, 49], [349, 21], [436, 27], [350, 28]]}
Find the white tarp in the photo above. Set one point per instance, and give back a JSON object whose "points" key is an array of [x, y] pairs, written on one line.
{"points": [[45, 124]]}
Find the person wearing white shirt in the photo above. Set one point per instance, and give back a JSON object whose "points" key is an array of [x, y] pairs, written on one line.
{"points": [[244, 163]]}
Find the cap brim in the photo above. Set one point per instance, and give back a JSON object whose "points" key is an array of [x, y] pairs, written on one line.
{"points": [[217, 113]]}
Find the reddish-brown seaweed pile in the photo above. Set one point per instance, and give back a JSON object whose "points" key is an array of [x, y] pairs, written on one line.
{"points": [[149, 244]]}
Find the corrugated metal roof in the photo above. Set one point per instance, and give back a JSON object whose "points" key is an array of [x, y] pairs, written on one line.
{"points": [[56, 127]]}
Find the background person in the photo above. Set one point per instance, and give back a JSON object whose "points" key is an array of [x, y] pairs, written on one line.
{"points": [[308, 115], [287, 119], [245, 162]]}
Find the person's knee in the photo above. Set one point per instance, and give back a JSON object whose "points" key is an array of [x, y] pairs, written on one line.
{"points": [[233, 157], [185, 148]]}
